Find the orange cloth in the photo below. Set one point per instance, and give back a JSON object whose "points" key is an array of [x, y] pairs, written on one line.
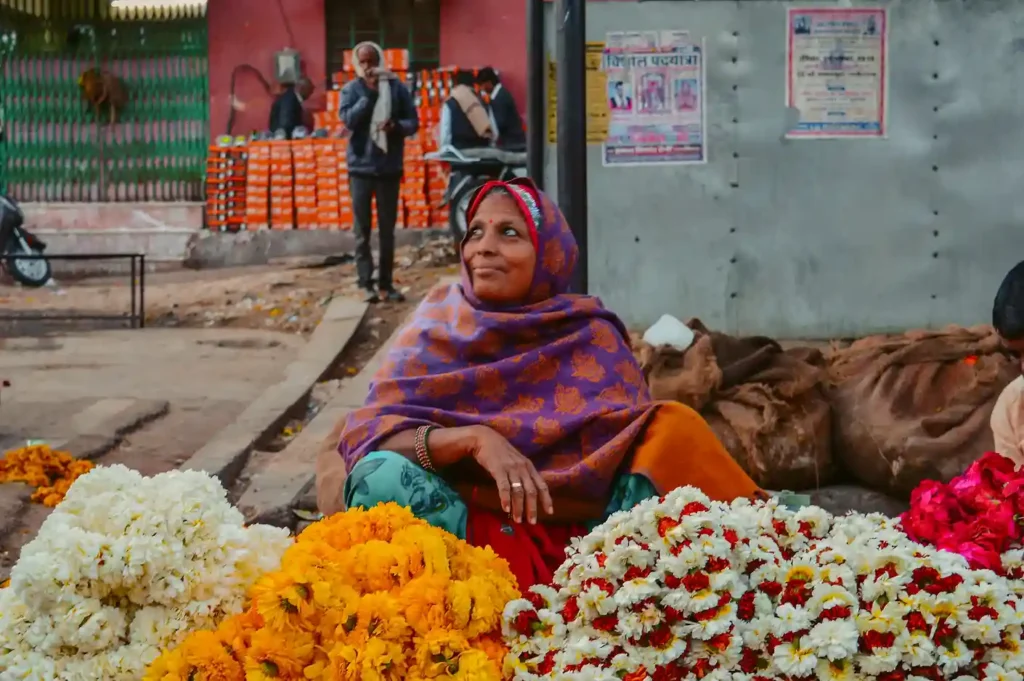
{"points": [[679, 449]]}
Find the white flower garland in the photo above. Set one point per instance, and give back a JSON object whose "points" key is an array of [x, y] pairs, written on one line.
{"points": [[683, 588], [123, 567]]}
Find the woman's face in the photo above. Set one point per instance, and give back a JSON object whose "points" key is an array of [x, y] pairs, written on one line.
{"points": [[498, 251]]}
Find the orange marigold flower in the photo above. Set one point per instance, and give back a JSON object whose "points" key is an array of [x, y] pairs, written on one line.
{"points": [[50, 471]]}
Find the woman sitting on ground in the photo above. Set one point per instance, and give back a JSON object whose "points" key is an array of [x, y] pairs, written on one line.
{"points": [[507, 399]]}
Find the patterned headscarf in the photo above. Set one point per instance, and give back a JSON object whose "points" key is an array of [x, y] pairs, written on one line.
{"points": [[555, 376]]}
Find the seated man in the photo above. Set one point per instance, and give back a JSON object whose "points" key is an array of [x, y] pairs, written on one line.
{"points": [[508, 124], [464, 121], [512, 413], [287, 112], [1008, 320]]}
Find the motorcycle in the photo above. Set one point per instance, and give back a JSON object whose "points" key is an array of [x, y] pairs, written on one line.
{"points": [[15, 240], [469, 169]]}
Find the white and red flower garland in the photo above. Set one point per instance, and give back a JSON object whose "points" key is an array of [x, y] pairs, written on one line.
{"points": [[685, 588]]}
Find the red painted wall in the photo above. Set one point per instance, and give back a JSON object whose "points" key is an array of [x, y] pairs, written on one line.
{"points": [[249, 32], [477, 33]]}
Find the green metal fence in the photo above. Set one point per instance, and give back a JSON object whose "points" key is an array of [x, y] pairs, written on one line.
{"points": [[56, 148]]}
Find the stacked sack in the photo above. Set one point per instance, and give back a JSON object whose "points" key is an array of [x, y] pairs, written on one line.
{"points": [[916, 406], [767, 405]]}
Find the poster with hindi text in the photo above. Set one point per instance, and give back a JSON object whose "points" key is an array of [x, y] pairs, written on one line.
{"points": [[837, 72], [655, 82]]}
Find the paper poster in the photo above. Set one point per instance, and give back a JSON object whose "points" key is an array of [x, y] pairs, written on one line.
{"points": [[836, 76], [655, 92], [597, 102]]}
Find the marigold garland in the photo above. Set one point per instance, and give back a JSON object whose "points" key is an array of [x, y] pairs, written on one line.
{"points": [[364, 595], [50, 471]]}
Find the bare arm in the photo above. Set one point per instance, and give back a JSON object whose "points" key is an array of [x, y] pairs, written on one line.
{"points": [[446, 445]]}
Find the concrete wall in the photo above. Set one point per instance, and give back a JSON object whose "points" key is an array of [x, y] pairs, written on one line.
{"points": [[250, 32], [822, 238]]}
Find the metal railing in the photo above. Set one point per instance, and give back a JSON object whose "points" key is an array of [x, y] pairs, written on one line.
{"points": [[135, 318]]}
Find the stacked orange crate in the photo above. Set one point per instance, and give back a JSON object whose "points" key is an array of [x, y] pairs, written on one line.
{"points": [[282, 203], [257, 187], [344, 197], [439, 86], [304, 162], [235, 204], [217, 164], [327, 203]]}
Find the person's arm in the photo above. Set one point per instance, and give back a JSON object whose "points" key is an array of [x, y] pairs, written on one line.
{"points": [[356, 108], [446, 446], [444, 128], [407, 119], [1006, 420]]}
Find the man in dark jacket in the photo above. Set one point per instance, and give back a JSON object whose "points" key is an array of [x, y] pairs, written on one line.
{"points": [[379, 112], [465, 122], [287, 112], [504, 112]]}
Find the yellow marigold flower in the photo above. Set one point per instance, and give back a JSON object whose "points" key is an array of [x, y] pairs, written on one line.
{"points": [[493, 647], [366, 595], [437, 653], [170, 666], [209, 659], [278, 655], [282, 602], [50, 471], [378, 660], [424, 601]]}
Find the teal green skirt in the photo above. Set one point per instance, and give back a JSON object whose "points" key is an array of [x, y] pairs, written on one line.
{"points": [[381, 477]]}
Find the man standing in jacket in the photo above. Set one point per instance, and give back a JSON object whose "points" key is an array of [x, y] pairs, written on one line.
{"points": [[379, 112], [504, 112]]}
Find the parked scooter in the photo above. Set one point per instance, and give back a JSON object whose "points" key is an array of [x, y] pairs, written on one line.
{"points": [[15, 240], [471, 168]]}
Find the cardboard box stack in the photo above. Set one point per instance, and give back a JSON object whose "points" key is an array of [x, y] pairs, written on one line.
{"points": [[282, 197], [327, 200], [257, 187], [304, 183], [225, 185]]}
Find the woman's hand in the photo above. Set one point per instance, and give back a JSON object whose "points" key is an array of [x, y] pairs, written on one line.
{"points": [[520, 486]]}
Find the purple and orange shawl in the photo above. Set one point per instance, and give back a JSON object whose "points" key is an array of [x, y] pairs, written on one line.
{"points": [[555, 376]]}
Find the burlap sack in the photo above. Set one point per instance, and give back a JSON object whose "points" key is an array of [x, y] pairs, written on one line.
{"points": [[916, 406], [766, 405], [331, 474]]}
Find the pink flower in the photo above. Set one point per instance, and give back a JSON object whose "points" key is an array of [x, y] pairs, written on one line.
{"points": [[933, 509]]}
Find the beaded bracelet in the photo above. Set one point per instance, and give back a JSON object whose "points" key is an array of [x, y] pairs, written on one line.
{"points": [[422, 450]]}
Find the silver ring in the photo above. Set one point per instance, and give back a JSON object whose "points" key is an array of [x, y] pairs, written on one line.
{"points": [[517, 485]]}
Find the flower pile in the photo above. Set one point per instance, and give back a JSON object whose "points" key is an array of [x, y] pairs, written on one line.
{"points": [[50, 471], [686, 588], [975, 514], [122, 568], [374, 595]]}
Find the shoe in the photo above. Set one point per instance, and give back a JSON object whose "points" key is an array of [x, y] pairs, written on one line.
{"points": [[392, 296], [369, 295]]}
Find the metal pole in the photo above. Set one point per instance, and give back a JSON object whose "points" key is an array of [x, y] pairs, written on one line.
{"points": [[536, 114], [571, 151]]}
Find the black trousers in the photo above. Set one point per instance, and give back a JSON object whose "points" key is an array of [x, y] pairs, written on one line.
{"points": [[386, 190]]}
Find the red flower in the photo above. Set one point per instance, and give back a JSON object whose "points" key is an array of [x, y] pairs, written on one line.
{"points": [[536, 600], [694, 507], [773, 589], [606, 623], [745, 607], [665, 525], [661, 637], [571, 610], [696, 582], [547, 665], [525, 622]]}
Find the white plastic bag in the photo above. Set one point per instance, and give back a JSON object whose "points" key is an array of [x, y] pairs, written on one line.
{"points": [[669, 331]]}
